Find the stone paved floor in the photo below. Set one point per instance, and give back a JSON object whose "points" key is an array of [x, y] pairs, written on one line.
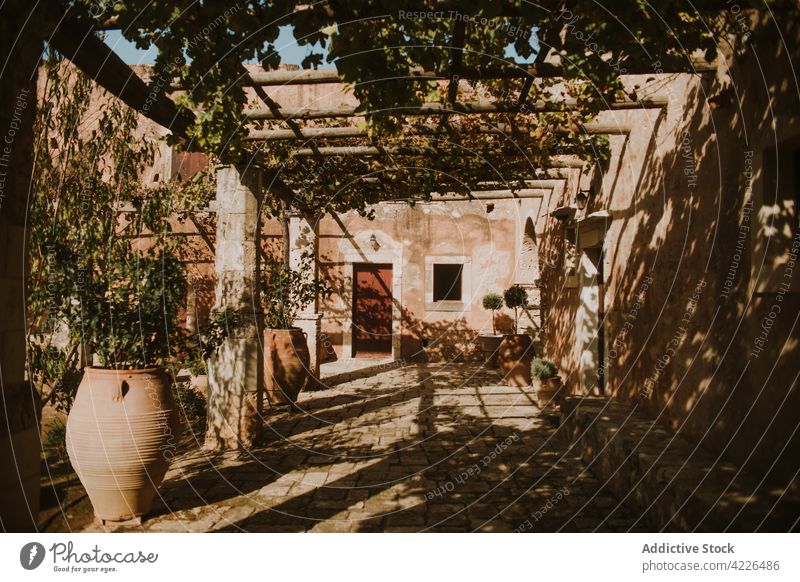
{"points": [[420, 448]]}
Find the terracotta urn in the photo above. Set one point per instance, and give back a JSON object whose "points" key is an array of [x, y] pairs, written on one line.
{"points": [[122, 433], [286, 364], [489, 344], [514, 358]]}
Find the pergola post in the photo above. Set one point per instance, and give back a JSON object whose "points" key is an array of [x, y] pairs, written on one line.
{"points": [[303, 241], [235, 375], [19, 400]]}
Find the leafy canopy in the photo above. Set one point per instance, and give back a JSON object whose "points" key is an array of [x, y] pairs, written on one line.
{"points": [[105, 275], [373, 43]]}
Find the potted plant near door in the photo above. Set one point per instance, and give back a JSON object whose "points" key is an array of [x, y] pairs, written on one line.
{"points": [[286, 357], [489, 343], [546, 383], [516, 350]]}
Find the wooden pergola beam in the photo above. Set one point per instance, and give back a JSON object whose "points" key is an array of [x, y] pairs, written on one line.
{"points": [[502, 9], [77, 42], [502, 194], [540, 70], [352, 131], [477, 107]]}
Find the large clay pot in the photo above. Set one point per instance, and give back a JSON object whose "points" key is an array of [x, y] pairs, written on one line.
{"points": [[548, 391], [122, 433], [489, 344], [514, 358], [286, 364]]}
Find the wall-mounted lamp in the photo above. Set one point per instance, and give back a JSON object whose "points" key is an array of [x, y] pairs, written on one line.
{"points": [[582, 198], [374, 242]]}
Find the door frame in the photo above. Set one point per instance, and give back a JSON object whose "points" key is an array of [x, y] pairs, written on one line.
{"points": [[378, 258], [593, 374]]}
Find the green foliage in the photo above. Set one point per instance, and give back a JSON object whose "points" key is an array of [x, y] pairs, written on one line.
{"points": [[56, 372], [286, 291], [221, 325], [543, 368], [371, 39], [516, 298], [104, 268], [54, 444], [492, 302], [128, 308], [195, 363], [192, 406]]}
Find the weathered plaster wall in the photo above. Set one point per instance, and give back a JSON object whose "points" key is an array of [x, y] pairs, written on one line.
{"points": [[685, 307], [489, 242]]}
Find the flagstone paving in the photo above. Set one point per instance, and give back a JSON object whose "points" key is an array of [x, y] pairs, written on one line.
{"points": [[425, 447]]}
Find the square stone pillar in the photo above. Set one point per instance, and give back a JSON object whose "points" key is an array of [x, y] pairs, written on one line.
{"points": [[235, 374], [21, 48], [303, 240]]}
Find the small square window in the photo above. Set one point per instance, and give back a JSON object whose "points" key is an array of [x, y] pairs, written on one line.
{"points": [[447, 282]]}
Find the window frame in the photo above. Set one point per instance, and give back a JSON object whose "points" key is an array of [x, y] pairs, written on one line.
{"points": [[466, 287]]}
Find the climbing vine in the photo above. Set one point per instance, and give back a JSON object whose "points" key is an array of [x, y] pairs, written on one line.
{"points": [[203, 45]]}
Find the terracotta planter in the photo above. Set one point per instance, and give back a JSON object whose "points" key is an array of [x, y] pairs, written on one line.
{"points": [[286, 364], [489, 344], [122, 433], [548, 391], [514, 358]]}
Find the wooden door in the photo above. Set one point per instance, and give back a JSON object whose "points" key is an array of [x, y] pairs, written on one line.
{"points": [[372, 310]]}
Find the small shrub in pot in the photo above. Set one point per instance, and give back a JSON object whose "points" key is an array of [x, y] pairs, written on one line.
{"points": [[545, 381], [489, 343]]}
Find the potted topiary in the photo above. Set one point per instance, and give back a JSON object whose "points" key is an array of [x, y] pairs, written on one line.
{"points": [[546, 383], [286, 357], [516, 350], [490, 342]]}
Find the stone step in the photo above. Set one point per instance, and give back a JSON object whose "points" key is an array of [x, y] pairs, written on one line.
{"points": [[673, 484]]}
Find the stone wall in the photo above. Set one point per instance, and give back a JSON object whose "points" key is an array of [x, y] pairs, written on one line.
{"points": [[698, 330], [485, 235]]}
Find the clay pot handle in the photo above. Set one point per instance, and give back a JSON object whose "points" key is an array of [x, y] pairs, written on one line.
{"points": [[121, 390]]}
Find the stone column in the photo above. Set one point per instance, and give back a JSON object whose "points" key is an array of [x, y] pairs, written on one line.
{"points": [[303, 240], [235, 392], [22, 27]]}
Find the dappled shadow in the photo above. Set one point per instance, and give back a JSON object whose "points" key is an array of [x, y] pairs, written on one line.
{"points": [[446, 450], [686, 293], [427, 447]]}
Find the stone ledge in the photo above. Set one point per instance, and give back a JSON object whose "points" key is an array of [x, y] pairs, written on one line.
{"points": [[674, 485]]}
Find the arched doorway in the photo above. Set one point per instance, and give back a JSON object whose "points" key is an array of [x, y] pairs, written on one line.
{"points": [[529, 255]]}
